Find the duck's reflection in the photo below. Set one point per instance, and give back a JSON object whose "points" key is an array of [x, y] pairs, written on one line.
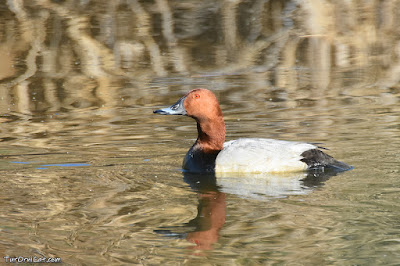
{"points": [[267, 186], [203, 230]]}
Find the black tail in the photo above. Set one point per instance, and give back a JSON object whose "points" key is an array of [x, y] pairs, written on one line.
{"points": [[317, 159]]}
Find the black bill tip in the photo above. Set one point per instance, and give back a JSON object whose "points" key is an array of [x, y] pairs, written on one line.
{"points": [[160, 112]]}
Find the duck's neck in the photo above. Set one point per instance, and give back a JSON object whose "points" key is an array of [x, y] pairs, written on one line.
{"points": [[211, 135]]}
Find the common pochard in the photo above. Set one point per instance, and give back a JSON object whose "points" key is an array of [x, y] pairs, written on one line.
{"points": [[210, 154]]}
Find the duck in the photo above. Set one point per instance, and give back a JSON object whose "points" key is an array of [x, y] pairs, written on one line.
{"points": [[211, 154]]}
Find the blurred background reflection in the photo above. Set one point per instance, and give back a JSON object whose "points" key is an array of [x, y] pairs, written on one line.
{"points": [[90, 175]]}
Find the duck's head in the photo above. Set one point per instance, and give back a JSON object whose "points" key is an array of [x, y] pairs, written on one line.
{"points": [[201, 104]]}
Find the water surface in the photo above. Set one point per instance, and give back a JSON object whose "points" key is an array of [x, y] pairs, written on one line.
{"points": [[90, 175]]}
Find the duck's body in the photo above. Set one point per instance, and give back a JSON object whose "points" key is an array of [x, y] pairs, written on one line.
{"points": [[255, 155], [262, 156], [248, 155]]}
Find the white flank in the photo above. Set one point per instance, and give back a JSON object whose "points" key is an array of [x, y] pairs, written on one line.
{"points": [[254, 155]]}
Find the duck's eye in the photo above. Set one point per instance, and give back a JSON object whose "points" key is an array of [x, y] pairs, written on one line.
{"points": [[197, 96]]}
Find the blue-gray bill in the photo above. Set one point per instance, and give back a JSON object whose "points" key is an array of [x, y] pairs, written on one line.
{"points": [[177, 108]]}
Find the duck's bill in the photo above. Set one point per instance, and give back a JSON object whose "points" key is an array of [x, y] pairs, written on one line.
{"points": [[176, 109]]}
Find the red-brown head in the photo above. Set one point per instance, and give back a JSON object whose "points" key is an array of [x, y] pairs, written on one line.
{"points": [[203, 106]]}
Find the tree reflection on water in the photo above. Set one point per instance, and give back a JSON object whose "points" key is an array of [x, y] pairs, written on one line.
{"points": [[81, 53]]}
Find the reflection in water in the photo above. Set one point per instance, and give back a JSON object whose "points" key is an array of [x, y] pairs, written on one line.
{"points": [[203, 230], [93, 53], [79, 79], [264, 186], [209, 221], [211, 211], [55, 164]]}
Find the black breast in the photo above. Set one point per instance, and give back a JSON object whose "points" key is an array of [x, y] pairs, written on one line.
{"points": [[197, 161]]}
